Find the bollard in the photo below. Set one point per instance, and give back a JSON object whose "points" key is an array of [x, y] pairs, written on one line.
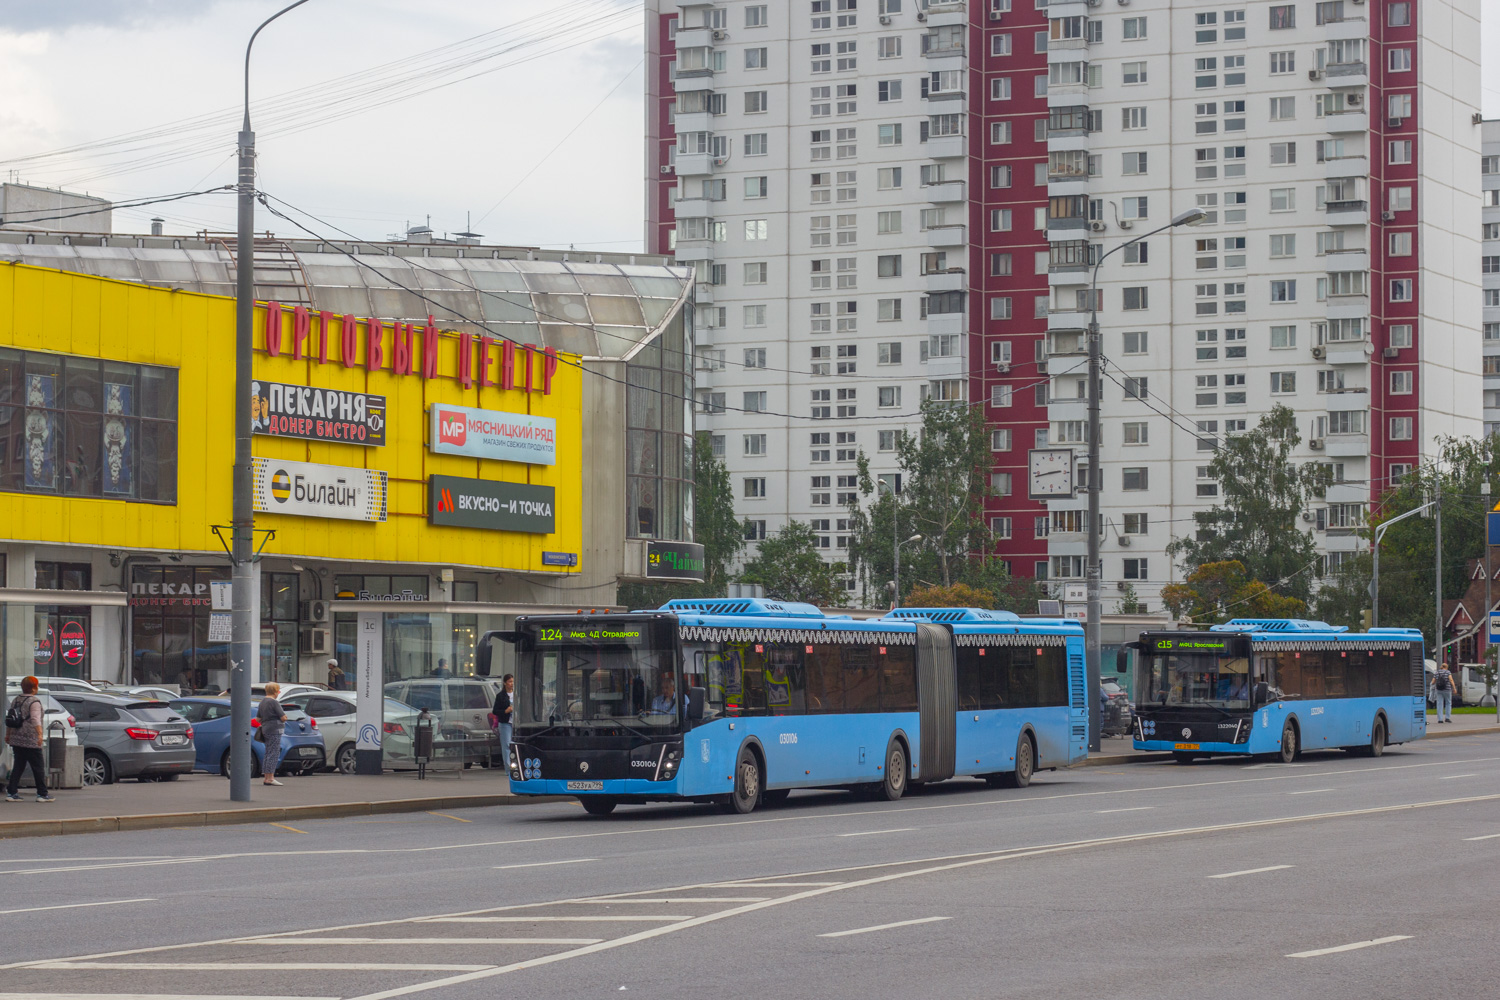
{"points": [[57, 742]]}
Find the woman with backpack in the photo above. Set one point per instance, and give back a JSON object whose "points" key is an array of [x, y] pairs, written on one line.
{"points": [[1442, 690], [23, 732]]}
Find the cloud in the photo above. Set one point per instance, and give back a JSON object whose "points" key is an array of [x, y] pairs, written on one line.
{"points": [[64, 15]]}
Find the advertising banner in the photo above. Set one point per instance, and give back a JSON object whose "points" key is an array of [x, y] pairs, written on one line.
{"points": [[301, 411], [494, 506], [307, 490], [507, 437], [674, 560]]}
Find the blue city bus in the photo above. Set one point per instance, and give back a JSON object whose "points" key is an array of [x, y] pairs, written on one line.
{"points": [[739, 701], [1278, 686]]}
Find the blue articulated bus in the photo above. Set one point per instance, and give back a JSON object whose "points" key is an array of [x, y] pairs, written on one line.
{"points": [[738, 702], [1278, 686]]}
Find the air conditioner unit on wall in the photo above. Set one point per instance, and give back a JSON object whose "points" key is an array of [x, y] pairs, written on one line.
{"points": [[1098, 227], [921, 15], [996, 16], [315, 640], [1315, 74], [719, 36], [1318, 352], [1316, 444], [885, 19], [1392, 352], [1125, 540], [1354, 100], [315, 611]]}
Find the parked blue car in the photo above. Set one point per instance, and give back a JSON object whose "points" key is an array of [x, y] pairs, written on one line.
{"points": [[301, 745]]}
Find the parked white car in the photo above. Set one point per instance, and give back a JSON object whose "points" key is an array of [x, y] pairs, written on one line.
{"points": [[1470, 683], [52, 711], [334, 711]]}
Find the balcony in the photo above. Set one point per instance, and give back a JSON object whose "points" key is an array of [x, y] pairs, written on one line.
{"points": [[694, 38], [947, 236], [1348, 306], [692, 208], [692, 251], [1354, 165], [1343, 122], [703, 293], [1349, 27], [692, 121], [951, 280], [1346, 400], [1355, 74], [693, 79], [944, 323], [1070, 222], [946, 192], [1066, 342], [953, 366], [942, 13], [1061, 317], [1346, 445], [944, 147], [1339, 213], [1348, 352], [1357, 259], [693, 164], [1347, 493]]}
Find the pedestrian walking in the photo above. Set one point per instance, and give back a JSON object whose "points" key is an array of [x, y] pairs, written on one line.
{"points": [[1442, 690], [23, 733], [272, 724], [504, 712], [335, 675]]}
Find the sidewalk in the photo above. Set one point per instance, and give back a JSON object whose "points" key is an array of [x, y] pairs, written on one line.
{"points": [[203, 800], [1122, 751]]}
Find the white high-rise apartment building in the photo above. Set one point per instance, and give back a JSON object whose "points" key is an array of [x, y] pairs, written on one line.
{"points": [[1490, 271], [890, 198]]}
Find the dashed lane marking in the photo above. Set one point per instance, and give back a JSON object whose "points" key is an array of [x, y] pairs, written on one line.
{"points": [[884, 927], [1253, 871], [544, 864], [75, 906], [1356, 946], [261, 968], [420, 940]]}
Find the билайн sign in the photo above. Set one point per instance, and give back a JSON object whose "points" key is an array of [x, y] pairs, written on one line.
{"points": [[308, 490]]}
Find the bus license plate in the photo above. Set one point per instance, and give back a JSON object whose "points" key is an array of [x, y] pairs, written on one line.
{"points": [[585, 786], [1184, 746]]}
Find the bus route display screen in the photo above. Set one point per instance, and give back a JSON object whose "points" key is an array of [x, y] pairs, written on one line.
{"points": [[590, 634]]}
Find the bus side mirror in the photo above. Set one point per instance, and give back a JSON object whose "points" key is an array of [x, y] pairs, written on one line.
{"points": [[696, 696], [486, 650], [1122, 661], [1262, 695]]}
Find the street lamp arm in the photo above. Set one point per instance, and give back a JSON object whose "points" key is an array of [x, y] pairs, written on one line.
{"points": [[250, 44], [1380, 528]]}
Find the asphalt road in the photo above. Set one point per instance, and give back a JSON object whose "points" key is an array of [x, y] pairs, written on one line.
{"points": [[1334, 877]]}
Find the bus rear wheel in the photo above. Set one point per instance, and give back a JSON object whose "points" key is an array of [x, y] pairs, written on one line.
{"points": [[1025, 765], [597, 805], [1377, 740], [894, 785], [1288, 743], [746, 794]]}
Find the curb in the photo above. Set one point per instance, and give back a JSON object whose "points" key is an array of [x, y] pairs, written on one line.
{"points": [[272, 814], [1154, 757]]}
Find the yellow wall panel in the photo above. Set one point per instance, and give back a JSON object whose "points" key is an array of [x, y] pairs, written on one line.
{"points": [[68, 313]]}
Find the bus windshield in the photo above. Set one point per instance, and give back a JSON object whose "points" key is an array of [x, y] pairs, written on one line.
{"points": [[1186, 678], [593, 675]]}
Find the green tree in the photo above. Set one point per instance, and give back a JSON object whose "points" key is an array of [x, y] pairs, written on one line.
{"points": [[790, 568], [1344, 594], [1257, 522], [1407, 571], [715, 527], [959, 595], [1216, 592]]}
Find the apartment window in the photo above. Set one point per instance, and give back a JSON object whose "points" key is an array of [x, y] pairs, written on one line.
{"points": [[1136, 253], [755, 357], [888, 47], [1283, 199], [756, 58], [1400, 199], [711, 402], [755, 16], [755, 273], [1399, 335], [1000, 176], [1133, 72], [1132, 118], [1133, 163], [1000, 307], [1135, 207], [755, 488], [1283, 154], [755, 445], [887, 311], [755, 402], [1134, 479], [1000, 439], [889, 396], [1283, 244], [1401, 428], [1135, 342], [1136, 432], [1400, 246], [1398, 15], [888, 265], [1136, 297], [1136, 387], [888, 135], [1000, 264], [1002, 395], [755, 229], [1284, 290], [1399, 60], [755, 187], [1401, 290], [1283, 337], [1283, 16], [1133, 28], [754, 316], [1399, 105], [755, 102], [1000, 133], [1401, 383], [1283, 382]]}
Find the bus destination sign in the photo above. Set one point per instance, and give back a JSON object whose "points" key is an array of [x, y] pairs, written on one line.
{"points": [[1197, 644], [588, 635]]}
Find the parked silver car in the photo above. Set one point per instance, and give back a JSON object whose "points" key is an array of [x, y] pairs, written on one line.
{"points": [[129, 738], [460, 708], [334, 711]]}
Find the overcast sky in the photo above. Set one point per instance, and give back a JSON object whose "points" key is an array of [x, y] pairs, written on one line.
{"points": [[78, 71]]}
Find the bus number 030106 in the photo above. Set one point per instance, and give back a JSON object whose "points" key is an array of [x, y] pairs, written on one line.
{"points": [[789, 737]]}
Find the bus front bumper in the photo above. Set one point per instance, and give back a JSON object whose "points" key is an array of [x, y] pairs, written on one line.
{"points": [[622, 788], [1171, 747]]}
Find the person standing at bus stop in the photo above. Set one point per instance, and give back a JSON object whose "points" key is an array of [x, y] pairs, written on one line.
{"points": [[272, 724], [25, 741], [1442, 691], [504, 712]]}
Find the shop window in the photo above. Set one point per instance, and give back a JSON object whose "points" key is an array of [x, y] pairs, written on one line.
{"points": [[169, 610], [85, 427]]}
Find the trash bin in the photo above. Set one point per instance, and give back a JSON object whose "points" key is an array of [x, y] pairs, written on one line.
{"points": [[422, 744], [57, 742]]}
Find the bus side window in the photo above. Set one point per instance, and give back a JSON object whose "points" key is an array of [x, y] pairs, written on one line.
{"points": [[1052, 676], [753, 683], [898, 680], [861, 679], [825, 679], [1289, 675]]}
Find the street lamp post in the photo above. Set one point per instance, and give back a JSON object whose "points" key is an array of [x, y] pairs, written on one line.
{"points": [[245, 575], [1380, 530], [1091, 643], [896, 575]]}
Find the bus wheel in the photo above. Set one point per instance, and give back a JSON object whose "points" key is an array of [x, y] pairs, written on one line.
{"points": [[1377, 739], [894, 785], [746, 794], [775, 796], [1025, 765], [1288, 743], [596, 805], [1183, 758]]}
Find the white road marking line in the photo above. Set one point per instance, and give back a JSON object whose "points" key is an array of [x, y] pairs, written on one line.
{"points": [[261, 968], [872, 833], [75, 906], [420, 940], [676, 900], [144, 996], [1450, 777], [1349, 947], [770, 885], [969, 861], [1131, 809], [610, 917], [543, 864], [657, 830], [1253, 871], [1488, 836], [1310, 791], [884, 927]]}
